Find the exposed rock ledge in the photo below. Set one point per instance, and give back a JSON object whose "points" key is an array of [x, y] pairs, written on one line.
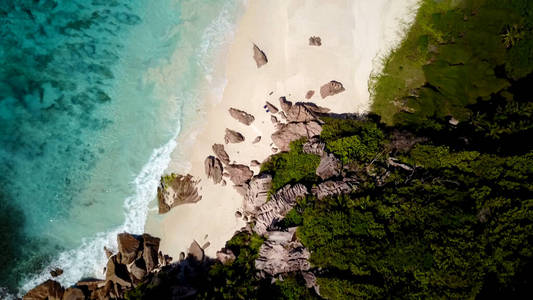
{"points": [[176, 189], [137, 258]]}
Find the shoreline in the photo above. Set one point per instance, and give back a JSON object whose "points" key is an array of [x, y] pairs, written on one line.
{"points": [[281, 29]]}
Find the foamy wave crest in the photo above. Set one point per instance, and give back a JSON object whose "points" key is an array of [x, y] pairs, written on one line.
{"points": [[216, 36], [89, 259]]}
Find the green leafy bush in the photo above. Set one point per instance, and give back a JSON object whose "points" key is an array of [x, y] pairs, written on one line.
{"points": [[290, 167]]}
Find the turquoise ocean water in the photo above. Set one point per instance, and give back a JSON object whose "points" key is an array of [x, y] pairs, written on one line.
{"points": [[92, 96]]}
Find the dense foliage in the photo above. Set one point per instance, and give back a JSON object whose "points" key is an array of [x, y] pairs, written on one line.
{"points": [[443, 204], [290, 167], [455, 53]]}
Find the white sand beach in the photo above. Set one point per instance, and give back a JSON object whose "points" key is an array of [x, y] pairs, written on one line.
{"points": [[354, 35]]}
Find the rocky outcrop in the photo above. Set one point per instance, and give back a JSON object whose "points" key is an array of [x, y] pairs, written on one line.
{"points": [[315, 41], [233, 137], [150, 251], [49, 289], [314, 146], [196, 251], [309, 94], [213, 169], [271, 108], [225, 256], [257, 193], [329, 167], [259, 57], [56, 272], [239, 174], [277, 207], [294, 131], [128, 246], [332, 188], [73, 293], [134, 263], [220, 153], [274, 120], [301, 111], [176, 189], [241, 116], [331, 88], [281, 253]]}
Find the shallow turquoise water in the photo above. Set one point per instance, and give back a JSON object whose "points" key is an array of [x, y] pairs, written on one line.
{"points": [[92, 95]]}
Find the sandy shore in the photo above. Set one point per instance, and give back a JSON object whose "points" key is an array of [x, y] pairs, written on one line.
{"points": [[354, 34]]}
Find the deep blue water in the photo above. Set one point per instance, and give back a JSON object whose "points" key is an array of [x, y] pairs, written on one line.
{"points": [[92, 95]]}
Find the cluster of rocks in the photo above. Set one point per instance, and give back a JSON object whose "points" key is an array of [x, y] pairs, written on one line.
{"points": [[302, 120], [137, 258], [176, 189], [315, 41]]}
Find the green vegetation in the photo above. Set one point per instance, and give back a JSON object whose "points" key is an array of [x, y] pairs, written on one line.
{"points": [[290, 167], [352, 140], [440, 209], [455, 53]]}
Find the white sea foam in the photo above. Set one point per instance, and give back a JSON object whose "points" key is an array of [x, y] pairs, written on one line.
{"points": [[89, 259]]}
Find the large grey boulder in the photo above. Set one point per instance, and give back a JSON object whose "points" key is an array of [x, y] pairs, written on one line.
{"points": [[314, 146], [150, 251], [281, 253], [220, 153], [233, 137], [259, 57], [213, 169], [257, 193], [329, 167], [239, 174], [128, 246], [301, 111], [271, 108], [241, 116], [49, 289], [331, 88], [294, 131], [177, 189], [196, 251]]}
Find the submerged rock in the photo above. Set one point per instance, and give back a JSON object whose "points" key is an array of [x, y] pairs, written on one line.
{"points": [[241, 116], [233, 137], [213, 169], [331, 88], [176, 189], [309, 94], [259, 57]]}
